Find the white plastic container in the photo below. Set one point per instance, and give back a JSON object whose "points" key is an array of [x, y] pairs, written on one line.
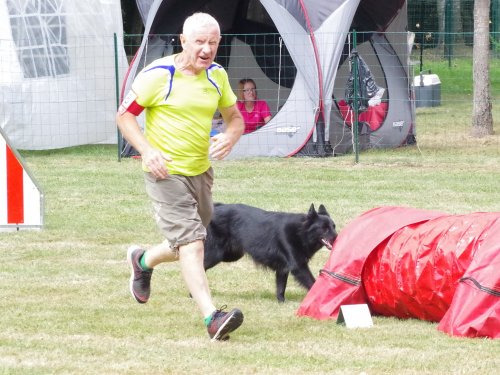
{"points": [[427, 90]]}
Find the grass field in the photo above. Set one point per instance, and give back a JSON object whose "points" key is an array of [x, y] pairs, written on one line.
{"points": [[65, 306]]}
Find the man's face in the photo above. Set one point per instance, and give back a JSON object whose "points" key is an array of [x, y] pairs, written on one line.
{"points": [[200, 47]]}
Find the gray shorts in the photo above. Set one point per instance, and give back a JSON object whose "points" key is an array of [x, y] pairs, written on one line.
{"points": [[182, 206]]}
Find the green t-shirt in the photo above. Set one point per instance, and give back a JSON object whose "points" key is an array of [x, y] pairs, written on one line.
{"points": [[179, 111]]}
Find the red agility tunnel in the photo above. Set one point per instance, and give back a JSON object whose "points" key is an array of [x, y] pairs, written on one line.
{"points": [[411, 263]]}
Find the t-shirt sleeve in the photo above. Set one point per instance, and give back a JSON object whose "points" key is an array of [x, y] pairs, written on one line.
{"points": [[150, 86], [265, 111]]}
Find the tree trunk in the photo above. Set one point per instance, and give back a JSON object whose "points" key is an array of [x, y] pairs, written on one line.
{"points": [[457, 21], [450, 24], [482, 119], [441, 21]]}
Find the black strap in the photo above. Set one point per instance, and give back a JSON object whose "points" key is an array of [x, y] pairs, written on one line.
{"points": [[348, 280], [493, 292]]}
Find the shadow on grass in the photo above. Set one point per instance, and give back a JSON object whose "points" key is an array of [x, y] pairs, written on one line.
{"points": [[265, 295]]}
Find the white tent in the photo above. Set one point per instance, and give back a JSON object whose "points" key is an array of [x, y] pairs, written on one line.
{"points": [[57, 71]]}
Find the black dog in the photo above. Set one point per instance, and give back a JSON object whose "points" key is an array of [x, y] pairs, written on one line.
{"points": [[283, 242]]}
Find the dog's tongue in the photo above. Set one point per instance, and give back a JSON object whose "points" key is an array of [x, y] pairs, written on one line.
{"points": [[327, 244]]}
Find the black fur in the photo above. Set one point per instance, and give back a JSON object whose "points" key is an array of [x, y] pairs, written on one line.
{"points": [[281, 241]]}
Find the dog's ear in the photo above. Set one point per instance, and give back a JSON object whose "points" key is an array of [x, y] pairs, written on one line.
{"points": [[322, 210], [312, 211]]}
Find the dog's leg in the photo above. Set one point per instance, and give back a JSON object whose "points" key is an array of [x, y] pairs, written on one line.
{"points": [[213, 255], [304, 276], [210, 261], [281, 280]]}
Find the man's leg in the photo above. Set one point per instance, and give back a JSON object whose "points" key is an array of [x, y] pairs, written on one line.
{"points": [[193, 272], [219, 323], [160, 253], [141, 264]]}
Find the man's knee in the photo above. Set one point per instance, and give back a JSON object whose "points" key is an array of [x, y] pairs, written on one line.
{"points": [[192, 249]]}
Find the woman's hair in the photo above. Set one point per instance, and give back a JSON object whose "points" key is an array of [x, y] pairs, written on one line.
{"points": [[241, 85]]}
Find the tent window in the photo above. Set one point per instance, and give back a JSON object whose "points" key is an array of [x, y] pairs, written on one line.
{"points": [[39, 31]]}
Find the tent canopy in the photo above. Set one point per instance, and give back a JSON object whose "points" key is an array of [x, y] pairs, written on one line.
{"points": [[370, 15], [302, 71]]}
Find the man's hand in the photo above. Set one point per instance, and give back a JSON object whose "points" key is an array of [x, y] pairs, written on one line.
{"points": [[221, 146], [155, 160], [223, 143]]}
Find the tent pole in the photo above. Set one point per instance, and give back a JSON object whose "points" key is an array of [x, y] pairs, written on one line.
{"points": [[279, 76], [117, 93], [356, 96]]}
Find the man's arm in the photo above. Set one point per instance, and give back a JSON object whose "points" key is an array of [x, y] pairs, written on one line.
{"points": [[131, 131], [223, 143]]}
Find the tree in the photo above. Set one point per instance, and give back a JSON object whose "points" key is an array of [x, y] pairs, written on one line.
{"points": [[449, 15], [441, 5], [482, 119]]}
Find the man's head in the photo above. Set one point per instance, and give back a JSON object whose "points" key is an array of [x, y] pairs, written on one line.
{"points": [[200, 39]]}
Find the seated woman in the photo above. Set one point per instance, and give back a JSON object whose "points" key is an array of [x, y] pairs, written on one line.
{"points": [[255, 112]]}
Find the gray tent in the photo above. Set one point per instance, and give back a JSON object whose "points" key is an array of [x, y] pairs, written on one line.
{"points": [[295, 49]]}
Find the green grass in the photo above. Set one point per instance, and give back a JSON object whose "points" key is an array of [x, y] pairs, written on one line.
{"points": [[65, 306]]}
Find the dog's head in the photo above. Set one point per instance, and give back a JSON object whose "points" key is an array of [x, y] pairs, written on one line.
{"points": [[320, 228]]}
